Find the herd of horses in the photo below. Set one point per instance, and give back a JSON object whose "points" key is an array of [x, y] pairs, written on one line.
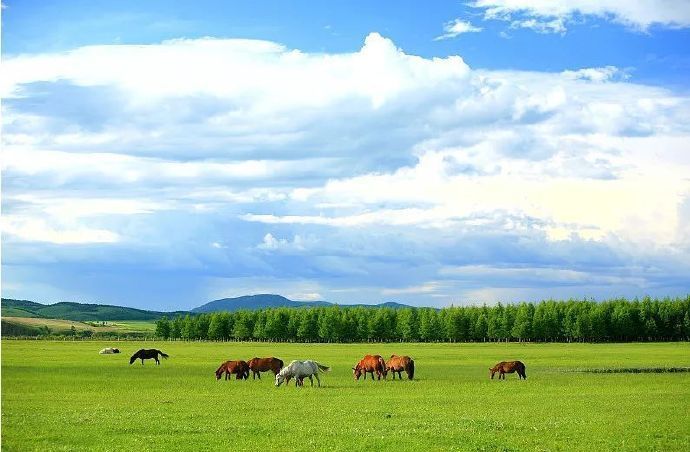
{"points": [[299, 370]]}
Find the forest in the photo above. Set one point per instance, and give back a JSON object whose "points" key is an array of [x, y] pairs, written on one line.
{"points": [[616, 320]]}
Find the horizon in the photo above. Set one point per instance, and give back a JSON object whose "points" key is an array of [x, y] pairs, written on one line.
{"points": [[469, 304], [429, 155]]}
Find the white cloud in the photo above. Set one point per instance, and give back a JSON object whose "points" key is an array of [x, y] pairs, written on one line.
{"points": [[541, 26], [400, 165], [551, 15], [457, 27], [272, 243], [597, 74], [426, 288], [37, 230]]}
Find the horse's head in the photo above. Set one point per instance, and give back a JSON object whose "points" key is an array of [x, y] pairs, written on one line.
{"points": [[492, 371], [133, 358], [280, 378], [357, 372]]}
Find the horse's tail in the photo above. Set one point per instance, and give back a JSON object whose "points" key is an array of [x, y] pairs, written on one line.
{"points": [[163, 354], [322, 367], [410, 370]]}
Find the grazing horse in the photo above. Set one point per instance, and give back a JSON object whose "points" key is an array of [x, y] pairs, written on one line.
{"points": [[371, 364], [109, 351], [150, 353], [400, 363], [258, 365], [299, 370], [508, 367], [239, 368]]}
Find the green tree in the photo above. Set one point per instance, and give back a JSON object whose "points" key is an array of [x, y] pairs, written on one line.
{"points": [[522, 327], [308, 329], [218, 327], [242, 329], [406, 325], [480, 327], [430, 329], [163, 327]]}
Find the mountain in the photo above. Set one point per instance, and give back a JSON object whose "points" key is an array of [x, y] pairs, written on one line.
{"points": [[260, 301], [78, 311], [100, 312], [263, 301]]}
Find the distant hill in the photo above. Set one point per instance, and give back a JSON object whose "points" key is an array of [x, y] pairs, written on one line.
{"points": [[260, 301], [263, 301], [81, 312], [78, 311]]}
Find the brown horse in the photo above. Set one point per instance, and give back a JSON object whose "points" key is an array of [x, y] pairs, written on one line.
{"points": [[400, 363], [508, 367], [258, 365], [371, 364], [239, 368]]}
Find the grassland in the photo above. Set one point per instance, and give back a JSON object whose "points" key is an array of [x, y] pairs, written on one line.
{"points": [[64, 396], [63, 326]]}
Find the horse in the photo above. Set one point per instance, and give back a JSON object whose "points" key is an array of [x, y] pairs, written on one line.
{"points": [[299, 370], [400, 363], [239, 368], [109, 351], [258, 365], [150, 353], [371, 364], [508, 367]]}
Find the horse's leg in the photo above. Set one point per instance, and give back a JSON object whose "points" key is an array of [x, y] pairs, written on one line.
{"points": [[311, 379], [318, 380], [258, 374], [142, 361]]}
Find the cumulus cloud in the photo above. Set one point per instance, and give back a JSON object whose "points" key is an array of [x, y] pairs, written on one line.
{"points": [[457, 27], [272, 243], [550, 16], [389, 174]]}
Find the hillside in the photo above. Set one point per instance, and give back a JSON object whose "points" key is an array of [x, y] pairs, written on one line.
{"points": [[263, 301], [81, 312], [260, 301], [77, 311], [34, 326]]}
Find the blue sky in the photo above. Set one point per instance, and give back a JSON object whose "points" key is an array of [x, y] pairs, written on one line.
{"points": [[161, 155]]}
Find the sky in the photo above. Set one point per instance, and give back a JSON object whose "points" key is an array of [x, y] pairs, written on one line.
{"points": [[161, 154]]}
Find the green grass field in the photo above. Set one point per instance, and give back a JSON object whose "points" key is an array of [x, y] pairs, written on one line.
{"points": [[65, 396], [62, 326]]}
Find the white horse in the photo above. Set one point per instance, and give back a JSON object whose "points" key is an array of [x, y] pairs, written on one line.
{"points": [[300, 369], [109, 351]]}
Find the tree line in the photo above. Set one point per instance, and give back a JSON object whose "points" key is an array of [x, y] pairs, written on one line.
{"points": [[617, 320]]}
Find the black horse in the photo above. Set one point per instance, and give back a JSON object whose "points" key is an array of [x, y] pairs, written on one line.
{"points": [[144, 353]]}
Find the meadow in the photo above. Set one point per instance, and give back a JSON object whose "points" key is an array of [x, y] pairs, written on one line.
{"points": [[65, 396]]}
